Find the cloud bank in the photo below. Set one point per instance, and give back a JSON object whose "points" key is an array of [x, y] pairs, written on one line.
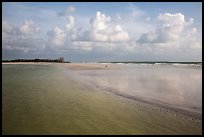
{"points": [[23, 38], [170, 34]]}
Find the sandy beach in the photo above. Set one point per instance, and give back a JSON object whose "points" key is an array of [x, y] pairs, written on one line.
{"points": [[90, 103], [72, 66], [91, 66]]}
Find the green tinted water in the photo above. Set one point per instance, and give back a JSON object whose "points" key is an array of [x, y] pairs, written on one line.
{"points": [[43, 99]]}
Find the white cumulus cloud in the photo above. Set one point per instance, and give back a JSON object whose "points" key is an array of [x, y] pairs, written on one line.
{"points": [[23, 38], [63, 36], [172, 31], [103, 30], [58, 36], [28, 28], [168, 29], [6, 27]]}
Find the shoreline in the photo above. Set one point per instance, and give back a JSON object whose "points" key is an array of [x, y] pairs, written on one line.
{"points": [[72, 66]]}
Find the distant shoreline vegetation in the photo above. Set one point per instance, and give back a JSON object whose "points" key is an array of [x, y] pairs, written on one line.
{"points": [[59, 60]]}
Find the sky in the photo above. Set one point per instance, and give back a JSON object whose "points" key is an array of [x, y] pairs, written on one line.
{"points": [[102, 31]]}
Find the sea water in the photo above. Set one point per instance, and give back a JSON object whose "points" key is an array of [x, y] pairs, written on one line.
{"points": [[45, 99], [178, 86]]}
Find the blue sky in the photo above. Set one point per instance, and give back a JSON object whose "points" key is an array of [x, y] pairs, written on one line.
{"points": [[103, 31]]}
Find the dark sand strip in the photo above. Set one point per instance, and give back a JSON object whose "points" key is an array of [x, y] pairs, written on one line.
{"points": [[177, 111]]}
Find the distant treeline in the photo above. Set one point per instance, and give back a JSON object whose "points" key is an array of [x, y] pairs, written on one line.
{"points": [[60, 60], [153, 62]]}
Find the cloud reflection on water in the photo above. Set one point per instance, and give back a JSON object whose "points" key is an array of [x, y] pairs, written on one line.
{"points": [[177, 86]]}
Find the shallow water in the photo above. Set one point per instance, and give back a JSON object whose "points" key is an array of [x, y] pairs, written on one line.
{"points": [[45, 99], [177, 86]]}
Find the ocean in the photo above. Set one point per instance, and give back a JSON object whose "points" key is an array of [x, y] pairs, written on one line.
{"points": [[132, 99]]}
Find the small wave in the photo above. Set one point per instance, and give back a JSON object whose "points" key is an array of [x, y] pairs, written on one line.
{"points": [[192, 65]]}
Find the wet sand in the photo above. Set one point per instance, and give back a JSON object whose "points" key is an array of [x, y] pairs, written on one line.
{"points": [[122, 114]]}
